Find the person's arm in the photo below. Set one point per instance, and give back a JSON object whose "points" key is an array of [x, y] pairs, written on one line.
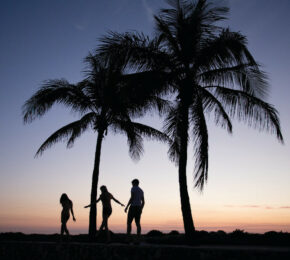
{"points": [[118, 202], [130, 201], [142, 202], [93, 203], [72, 212]]}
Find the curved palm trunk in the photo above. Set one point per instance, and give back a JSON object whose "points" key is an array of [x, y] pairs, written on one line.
{"points": [[95, 180], [184, 198]]}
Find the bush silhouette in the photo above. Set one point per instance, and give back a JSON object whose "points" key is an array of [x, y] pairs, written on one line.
{"points": [[154, 233]]}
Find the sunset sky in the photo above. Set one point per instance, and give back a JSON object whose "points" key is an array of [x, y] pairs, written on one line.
{"points": [[249, 171]]}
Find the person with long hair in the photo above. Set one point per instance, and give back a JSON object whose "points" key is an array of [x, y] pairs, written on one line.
{"points": [[67, 206], [106, 198]]}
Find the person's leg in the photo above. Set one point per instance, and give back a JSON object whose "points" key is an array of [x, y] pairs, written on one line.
{"points": [[109, 212], [65, 229], [138, 227], [103, 220], [102, 225], [64, 219], [107, 215], [129, 221], [137, 221], [62, 229]]}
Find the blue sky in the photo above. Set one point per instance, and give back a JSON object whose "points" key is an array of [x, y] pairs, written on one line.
{"points": [[249, 172]]}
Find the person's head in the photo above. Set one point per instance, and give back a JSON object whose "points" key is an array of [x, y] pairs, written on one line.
{"points": [[103, 189], [63, 198], [135, 182]]}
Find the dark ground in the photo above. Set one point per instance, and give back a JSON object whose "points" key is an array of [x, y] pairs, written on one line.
{"points": [[237, 237]]}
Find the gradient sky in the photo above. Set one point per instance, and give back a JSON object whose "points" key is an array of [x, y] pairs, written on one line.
{"points": [[249, 171]]}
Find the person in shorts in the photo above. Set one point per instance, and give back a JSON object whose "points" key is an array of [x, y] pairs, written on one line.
{"points": [[136, 203]]}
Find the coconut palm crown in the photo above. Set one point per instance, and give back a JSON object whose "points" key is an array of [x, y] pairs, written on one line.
{"points": [[105, 100], [209, 69]]}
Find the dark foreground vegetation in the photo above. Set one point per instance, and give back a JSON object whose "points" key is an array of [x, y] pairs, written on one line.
{"points": [[155, 237]]}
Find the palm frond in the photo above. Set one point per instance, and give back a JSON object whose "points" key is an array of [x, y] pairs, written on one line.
{"points": [[210, 103], [144, 91], [211, 14], [165, 34], [69, 132], [134, 49], [176, 15], [134, 139], [150, 132], [170, 127], [188, 22], [227, 49], [226, 59], [200, 136], [250, 109], [244, 77], [51, 92], [147, 83], [135, 132]]}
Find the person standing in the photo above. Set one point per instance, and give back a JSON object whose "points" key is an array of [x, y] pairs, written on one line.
{"points": [[106, 198], [136, 203], [67, 206]]}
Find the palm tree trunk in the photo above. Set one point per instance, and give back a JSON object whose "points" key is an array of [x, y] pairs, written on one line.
{"points": [[94, 189], [185, 203]]}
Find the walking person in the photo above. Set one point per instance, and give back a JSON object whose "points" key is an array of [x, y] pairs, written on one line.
{"points": [[136, 203], [106, 198], [67, 206]]}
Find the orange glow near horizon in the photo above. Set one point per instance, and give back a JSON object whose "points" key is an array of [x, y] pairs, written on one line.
{"points": [[252, 220]]}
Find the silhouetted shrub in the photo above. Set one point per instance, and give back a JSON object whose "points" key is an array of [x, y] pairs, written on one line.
{"points": [[238, 233], [221, 233], [173, 233], [272, 234], [154, 233], [202, 232]]}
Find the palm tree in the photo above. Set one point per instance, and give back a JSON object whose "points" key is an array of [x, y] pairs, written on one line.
{"points": [[106, 100], [210, 70]]}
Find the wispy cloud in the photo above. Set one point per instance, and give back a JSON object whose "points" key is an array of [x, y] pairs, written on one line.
{"points": [[149, 10], [251, 206], [256, 206], [242, 206]]}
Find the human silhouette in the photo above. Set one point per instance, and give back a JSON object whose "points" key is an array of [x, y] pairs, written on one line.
{"points": [[106, 198], [136, 203], [67, 206]]}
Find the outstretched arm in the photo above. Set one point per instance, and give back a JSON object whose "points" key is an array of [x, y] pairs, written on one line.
{"points": [[118, 202], [93, 203]]}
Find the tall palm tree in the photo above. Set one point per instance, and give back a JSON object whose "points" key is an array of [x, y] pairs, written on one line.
{"points": [[209, 69], [106, 99]]}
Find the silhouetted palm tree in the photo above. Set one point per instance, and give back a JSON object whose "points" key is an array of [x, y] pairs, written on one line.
{"points": [[209, 69], [106, 99]]}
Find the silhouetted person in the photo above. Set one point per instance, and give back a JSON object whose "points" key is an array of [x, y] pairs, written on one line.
{"points": [[67, 206], [106, 198], [136, 203]]}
